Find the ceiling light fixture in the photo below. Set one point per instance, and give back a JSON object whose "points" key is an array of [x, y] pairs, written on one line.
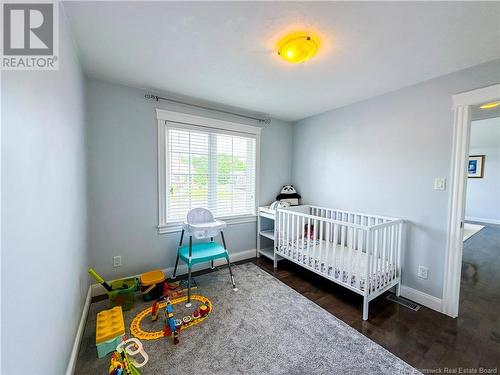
{"points": [[298, 47], [490, 105]]}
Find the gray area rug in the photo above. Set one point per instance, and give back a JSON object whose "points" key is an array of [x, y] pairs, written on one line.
{"points": [[264, 328]]}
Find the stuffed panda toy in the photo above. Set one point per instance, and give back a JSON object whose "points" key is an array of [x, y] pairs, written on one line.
{"points": [[289, 194]]}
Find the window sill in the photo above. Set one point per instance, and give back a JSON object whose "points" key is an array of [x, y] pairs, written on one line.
{"points": [[234, 220]]}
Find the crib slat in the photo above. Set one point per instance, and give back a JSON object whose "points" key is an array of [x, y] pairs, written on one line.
{"points": [[283, 233], [393, 238], [374, 270], [369, 255], [392, 250], [385, 243], [306, 237], [327, 247], [343, 242], [400, 247], [320, 236], [314, 248], [396, 252], [289, 217], [298, 248], [280, 234], [278, 231], [312, 242], [359, 255], [331, 252], [301, 233], [385, 247], [296, 224], [390, 265], [350, 245], [284, 241], [335, 242], [376, 246], [384, 259]]}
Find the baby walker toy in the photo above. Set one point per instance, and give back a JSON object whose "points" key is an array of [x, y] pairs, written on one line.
{"points": [[201, 224]]}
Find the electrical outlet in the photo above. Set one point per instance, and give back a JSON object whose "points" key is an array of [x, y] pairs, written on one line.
{"points": [[117, 261], [423, 272]]}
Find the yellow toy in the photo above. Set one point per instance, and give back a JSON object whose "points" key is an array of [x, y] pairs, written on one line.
{"points": [[110, 328], [137, 331]]}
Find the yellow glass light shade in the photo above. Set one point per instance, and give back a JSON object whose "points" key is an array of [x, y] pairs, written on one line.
{"points": [[490, 105], [298, 47]]}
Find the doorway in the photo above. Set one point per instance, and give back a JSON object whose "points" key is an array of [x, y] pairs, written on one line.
{"points": [[480, 286], [465, 105]]}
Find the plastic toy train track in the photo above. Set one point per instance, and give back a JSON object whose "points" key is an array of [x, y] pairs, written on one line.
{"points": [[137, 331]]}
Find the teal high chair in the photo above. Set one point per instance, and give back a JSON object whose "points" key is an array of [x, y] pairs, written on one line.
{"points": [[201, 224]]}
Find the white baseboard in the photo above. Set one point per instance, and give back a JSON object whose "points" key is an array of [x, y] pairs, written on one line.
{"points": [[79, 333], [422, 298], [98, 289], [482, 220]]}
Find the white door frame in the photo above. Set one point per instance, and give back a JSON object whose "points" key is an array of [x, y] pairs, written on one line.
{"points": [[458, 178]]}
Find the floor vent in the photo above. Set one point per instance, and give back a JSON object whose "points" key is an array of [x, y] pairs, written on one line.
{"points": [[404, 302]]}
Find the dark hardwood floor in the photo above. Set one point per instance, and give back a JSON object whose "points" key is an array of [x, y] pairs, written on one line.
{"points": [[425, 339]]}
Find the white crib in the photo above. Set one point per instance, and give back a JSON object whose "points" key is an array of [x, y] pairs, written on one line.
{"points": [[358, 251]]}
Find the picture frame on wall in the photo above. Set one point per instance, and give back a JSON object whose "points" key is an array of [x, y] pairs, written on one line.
{"points": [[475, 167]]}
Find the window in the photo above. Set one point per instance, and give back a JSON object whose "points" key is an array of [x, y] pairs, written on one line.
{"points": [[205, 163]]}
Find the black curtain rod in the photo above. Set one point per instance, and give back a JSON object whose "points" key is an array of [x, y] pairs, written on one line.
{"points": [[157, 98]]}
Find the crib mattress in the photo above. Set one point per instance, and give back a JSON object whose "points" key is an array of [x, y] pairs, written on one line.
{"points": [[314, 254]]}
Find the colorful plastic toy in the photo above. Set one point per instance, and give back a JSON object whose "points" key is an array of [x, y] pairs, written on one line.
{"points": [[99, 279], [133, 347], [170, 326], [120, 292], [154, 311], [110, 329], [121, 364], [178, 289], [138, 332], [204, 310], [152, 284]]}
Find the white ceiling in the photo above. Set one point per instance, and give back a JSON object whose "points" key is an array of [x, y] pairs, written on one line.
{"points": [[478, 113], [224, 52], [485, 133]]}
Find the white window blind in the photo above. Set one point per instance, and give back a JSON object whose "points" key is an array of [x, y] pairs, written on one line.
{"points": [[210, 169]]}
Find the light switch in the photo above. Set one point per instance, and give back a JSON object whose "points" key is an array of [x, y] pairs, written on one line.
{"points": [[440, 183]]}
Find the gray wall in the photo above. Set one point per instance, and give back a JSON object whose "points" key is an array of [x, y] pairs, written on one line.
{"points": [[44, 256], [122, 180], [483, 194], [381, 156]]}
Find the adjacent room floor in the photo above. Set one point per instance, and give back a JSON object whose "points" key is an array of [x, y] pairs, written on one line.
{"points": [[425, 339]]}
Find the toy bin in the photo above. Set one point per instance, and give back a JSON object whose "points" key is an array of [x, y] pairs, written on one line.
{"points": [[152, 285], [123, 293]]}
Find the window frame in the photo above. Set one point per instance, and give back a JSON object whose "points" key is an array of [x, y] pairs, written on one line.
{"points": [[193, 122]]}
